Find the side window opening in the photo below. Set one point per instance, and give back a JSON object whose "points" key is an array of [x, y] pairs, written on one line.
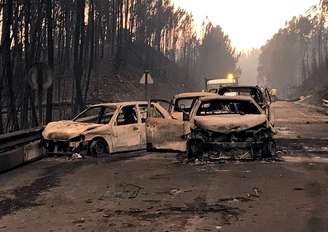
{"points": [[127, 116], [106, 115], [98, 115]]}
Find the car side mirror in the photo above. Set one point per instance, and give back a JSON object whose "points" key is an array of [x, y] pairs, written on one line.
{"points": [[185, 116]]}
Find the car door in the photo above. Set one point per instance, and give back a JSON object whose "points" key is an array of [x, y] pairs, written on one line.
{"points": [[127, 130], [163, 132], [268, 101]]}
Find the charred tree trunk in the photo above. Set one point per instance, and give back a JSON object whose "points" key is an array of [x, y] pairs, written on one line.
{"points": [[78, 44], [27, 91], [7, 66], [50, 60], [91, 32], [114, 20], [1, 118]]}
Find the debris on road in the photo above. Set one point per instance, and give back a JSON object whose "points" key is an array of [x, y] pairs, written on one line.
{"points": [[257, 191], [79, 221], [218, 227], [76, 156]]}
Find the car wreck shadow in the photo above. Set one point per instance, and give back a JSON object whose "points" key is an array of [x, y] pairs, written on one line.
{"points": [[26, 196], [121, 156]]}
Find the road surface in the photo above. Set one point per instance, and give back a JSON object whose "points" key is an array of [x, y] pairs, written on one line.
{"points": [[161, 192]]}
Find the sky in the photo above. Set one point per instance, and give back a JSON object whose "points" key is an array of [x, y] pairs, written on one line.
{"points": [[249, 23]]}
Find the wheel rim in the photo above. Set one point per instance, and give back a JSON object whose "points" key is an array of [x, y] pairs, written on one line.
{"points": [[193, 150], [99, 148]]}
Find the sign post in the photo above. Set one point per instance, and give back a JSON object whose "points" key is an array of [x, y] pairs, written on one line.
{"points": [[146, 80], [40, 78]]}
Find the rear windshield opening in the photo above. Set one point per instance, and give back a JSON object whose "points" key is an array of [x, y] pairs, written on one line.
{"points": [[184, 104], [219, 107], [254, 93]]}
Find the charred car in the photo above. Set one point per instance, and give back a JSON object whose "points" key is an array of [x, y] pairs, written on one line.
{"points": [[229, 126], [107, 128]]}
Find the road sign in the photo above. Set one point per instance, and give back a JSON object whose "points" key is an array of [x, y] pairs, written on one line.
{"points": [[40, 77], [146, 79]]}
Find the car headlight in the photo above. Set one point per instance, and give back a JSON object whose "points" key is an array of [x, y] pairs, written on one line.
{"points": [[75, 139]]}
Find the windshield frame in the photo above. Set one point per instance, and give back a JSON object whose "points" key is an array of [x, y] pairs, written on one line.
{"points": [[103, 108], [194, 111], [176, 101]]}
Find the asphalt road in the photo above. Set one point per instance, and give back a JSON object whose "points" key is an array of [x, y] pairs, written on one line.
{"points": [[160, 192]]}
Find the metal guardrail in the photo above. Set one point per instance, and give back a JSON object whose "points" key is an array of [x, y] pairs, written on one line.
{"points": [[18, 138], [19, 147]]}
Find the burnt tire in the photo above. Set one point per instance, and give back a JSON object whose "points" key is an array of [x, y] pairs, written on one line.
{"points": [[194, 149], [269, 149], [98, 147]]}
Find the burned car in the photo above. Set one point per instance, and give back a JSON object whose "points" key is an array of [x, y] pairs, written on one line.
{"points": [[184, 102], [229, 125], [104, 128]]}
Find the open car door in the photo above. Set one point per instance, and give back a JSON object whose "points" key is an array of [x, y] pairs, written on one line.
{"points": [[267, 109], [163, 103], [163, 132]]}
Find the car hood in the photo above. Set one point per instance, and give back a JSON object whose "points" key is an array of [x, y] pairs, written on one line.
{"points": [[65, 130], [226, 124]]}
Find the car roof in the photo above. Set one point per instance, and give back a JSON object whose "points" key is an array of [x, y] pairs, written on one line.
{"points": [[241, 87], [194, 94], [241, 98], [118, 104]]}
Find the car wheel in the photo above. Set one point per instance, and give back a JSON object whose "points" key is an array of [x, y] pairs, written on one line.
{"points": [[98, 147], [269, 149], [194, 149]]}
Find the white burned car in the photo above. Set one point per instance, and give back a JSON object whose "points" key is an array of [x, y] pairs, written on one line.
{"points": [[229, 126], [110, 128]]}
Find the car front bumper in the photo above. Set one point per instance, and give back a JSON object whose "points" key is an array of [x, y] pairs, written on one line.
{"points": [[58, 147], [232, 145]]}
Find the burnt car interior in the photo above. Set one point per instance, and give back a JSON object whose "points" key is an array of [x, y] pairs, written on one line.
{"points": [[97, 115], [219, 107], [184, 104], [127, 116]]}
